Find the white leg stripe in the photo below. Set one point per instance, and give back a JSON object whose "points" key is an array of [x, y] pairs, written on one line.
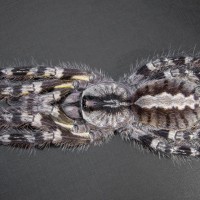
{"points": [[84, 134], [167, 74], [47, 136], [4, 138], [27, 88], [49, 71], [7, 91], [155, 143], [25, 117], [172, 135], [59, 72], [188, 60], [57, 95], [37, 120], [30, 138], [50, 97], [157, 63], [7, 117], [169, 61], [150, 66], [55, 111], [194, 152], [32, 71], [37, 86], [57, 136], [7, 71]]}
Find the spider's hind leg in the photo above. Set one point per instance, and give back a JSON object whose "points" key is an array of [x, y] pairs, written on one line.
{"points": [[180, 135], [158, 143], [184, 67]]}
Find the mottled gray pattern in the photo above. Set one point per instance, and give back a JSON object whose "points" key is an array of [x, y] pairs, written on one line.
{"points": [[73, 107], [107, 35]]}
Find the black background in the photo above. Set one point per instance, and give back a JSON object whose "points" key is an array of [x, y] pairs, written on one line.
{"points": [[109, 35]]}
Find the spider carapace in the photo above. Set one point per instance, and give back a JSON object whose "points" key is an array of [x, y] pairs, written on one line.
{"points": [[70, 106]]}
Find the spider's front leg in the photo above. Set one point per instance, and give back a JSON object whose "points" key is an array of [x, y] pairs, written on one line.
{"points": [[16, 91], [45, 107], [42, 72], [35, 79], [39, 130]]}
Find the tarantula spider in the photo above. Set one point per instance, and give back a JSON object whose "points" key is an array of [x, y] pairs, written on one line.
{"points": [[157, 105]]}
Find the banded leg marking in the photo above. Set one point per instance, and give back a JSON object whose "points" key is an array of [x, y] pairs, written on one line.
{"points": [[178, 135], [175, 149], [36, 87], [42, 72], [182, 67], [158, 64], [158, 141], [41, 132], [26, 138], [17, 119], [161, 145]]}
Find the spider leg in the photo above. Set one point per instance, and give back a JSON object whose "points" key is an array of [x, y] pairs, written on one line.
{"points": [[170, 148], [37, 102], [35, 129], [43, 72], [17, 83], [79, 128], [17, 118], [179, 135], [29, 137], [10, 90], [187, 68], [161, 63], [146, 137], [32, 136]]}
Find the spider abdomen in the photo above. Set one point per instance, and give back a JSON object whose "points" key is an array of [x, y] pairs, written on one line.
{"points": [[167, 103]]}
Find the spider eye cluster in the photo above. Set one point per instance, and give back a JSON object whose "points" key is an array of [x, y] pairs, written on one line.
{"points": [[106, 104]]}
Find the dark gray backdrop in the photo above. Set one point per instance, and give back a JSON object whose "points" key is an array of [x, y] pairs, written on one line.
{"points": [[107, 35]]}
